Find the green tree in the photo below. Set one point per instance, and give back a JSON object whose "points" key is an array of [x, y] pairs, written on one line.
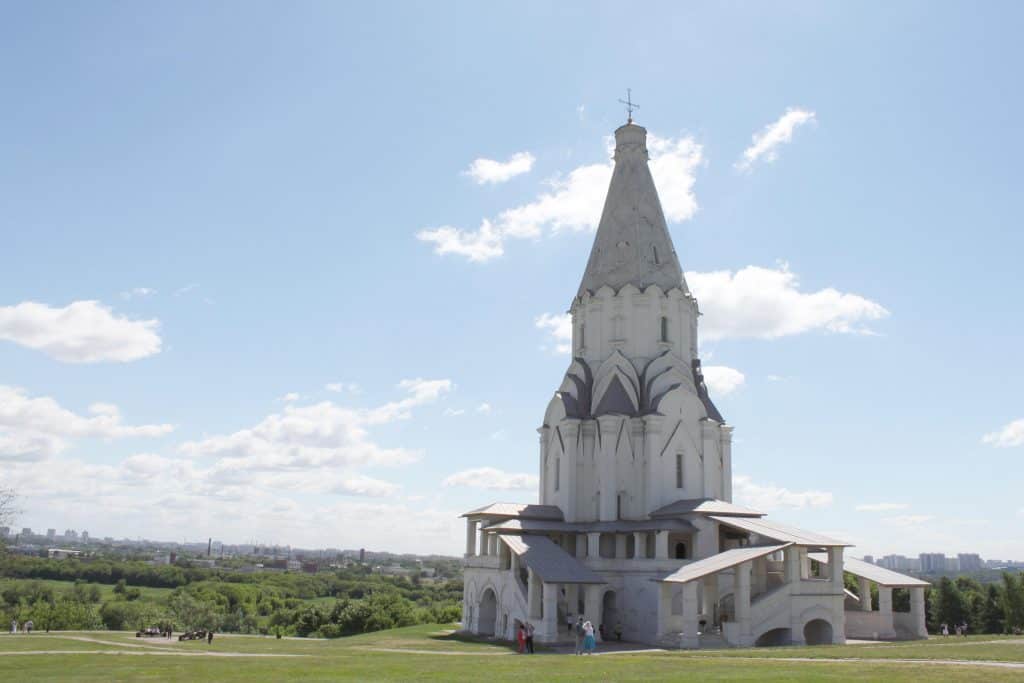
{"points": [[993, 619], [1013, 601], [948, 604]]}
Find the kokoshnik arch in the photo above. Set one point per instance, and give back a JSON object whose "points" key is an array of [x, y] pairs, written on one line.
{"points": [[636, 524]]}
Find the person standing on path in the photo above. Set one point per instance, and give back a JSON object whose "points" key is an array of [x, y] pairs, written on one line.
{"points": [[589, 644], [521, 638], [618, 631], [14, 625], [209, 637], [529, 637], [578, 629]]}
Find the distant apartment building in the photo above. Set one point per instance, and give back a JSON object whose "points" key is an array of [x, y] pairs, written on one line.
{"points": [[70, 533], [970, 562], [952, 564], [51, 533], [933, 563], [870, 559], [895, 562], [85, 536], [5, 532], [26, 531]]}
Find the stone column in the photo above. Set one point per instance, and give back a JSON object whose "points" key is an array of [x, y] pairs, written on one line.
{"points": [[594, 544], [550, 610], [652, 462], [470, 538], [664, 608], [545, 435], [917, 613], [639, 545], [572, 599], [661, 545], [533, 594], [691, 641], [885, 609], [566, 495], [620, 547], [605, 460], [581, 546], [864, 587], [710, 598], [835, 568], [492, 548], [592, 604], [485, 544], [711, 439], [726, 463], [791, 559], [742, 602]]}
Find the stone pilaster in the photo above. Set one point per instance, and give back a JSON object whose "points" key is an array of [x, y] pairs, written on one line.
{"points": [[652, 462], [726, 462], [609, 426], [567, 492], [470, 538]]}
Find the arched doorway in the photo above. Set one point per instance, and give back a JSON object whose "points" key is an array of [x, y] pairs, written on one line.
{"points": [[487, 613], [609, 613], [680, 551], [818, 632], [775, 637]]}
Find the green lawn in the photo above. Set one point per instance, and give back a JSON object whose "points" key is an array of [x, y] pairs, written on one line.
{"points": [[106, 590], [433, 653]]}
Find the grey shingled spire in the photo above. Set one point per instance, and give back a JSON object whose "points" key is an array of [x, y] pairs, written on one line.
{"points": [[632, 245]]}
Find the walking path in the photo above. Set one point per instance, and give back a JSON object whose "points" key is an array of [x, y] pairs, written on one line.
{"points": [[146, 653]]}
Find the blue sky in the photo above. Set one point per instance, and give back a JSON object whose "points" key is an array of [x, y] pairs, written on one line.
{"points": [[206, 208]]}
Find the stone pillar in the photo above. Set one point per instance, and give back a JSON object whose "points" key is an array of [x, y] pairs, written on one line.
{"points": [[691, 617], [661, 545], [711, 438], [485, 543], [835, 568], [791, 559], [726, 463], [594, 544], [742, 602], [581, 546], [592, 604], [639, 545], [652, 462], [572, 599], [533, 594], [545, 435], [864, 587], [605, 461], [566, 495], [759, 576], [620, 547], [492, 548], [710, 598], [550, 610], [470, 538], [885, 609], [917, 613], [664, 608]]}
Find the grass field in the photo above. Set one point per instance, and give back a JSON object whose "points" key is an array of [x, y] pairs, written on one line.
{"points": [[435, 653], [106, 590]]}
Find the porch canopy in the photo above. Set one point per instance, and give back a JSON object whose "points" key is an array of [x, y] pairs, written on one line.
{"points": [[721, 561], [551, 563], [872, 572], [780, 532]]}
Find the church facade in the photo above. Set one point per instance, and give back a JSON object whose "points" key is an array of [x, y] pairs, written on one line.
{"points": [[635, 527]]}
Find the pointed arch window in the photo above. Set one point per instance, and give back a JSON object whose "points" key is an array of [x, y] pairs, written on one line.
{"points": [[679, 470], [664, 329], [583, 338], [558, 473]]}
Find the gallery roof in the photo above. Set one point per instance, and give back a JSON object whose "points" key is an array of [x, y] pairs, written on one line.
{"points": [[872, 572], [618, 526], [550, 562], [779, 532], [705, 506], [720, 562], [520, 510]]}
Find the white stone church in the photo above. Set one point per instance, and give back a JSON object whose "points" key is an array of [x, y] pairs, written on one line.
{"points": [[636, 526]]}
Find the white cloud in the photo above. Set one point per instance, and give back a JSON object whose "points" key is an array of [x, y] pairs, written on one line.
{"points": [[81, 332], [767, 141], [574, 203], [35, 428], [484, 408], [453, 412], [129, 294], [366, 486], [342, 387], [722, 380], [559, 328], [492, 478], [186, 289], [290, 397], [767, 303], [1007, 437], [907, 520], [489, 171], [881, 507], [319, 435], [767, 498]]}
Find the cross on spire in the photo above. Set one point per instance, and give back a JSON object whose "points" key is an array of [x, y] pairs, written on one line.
{"points": [[630, 106]]}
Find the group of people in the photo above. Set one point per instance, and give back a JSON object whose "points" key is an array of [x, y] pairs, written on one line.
{"points": [[584, 632], [28, 626], [961, 629], [524, 636]]}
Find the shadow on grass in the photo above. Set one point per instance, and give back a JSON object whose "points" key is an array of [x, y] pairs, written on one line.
{"points": [[497, 643]]}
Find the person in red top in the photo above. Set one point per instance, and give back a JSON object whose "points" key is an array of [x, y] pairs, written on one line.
{"points": [[521, 638]]}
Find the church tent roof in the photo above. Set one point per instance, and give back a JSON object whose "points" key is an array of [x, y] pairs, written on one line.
{"points": [[779, 532], [520, 510], [618, 526], [872, 572], [704, 506], [550, 562], [720, 562]]}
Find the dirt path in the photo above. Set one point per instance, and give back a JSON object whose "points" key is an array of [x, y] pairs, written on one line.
{"points": [[146, 653], [448, 653]]}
